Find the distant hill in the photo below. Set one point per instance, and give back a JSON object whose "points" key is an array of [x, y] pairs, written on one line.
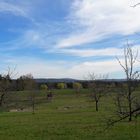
{"points": [[70, 80], [53, 80]]}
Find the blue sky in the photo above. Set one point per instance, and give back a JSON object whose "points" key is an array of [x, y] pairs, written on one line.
{"points": [[66, 38]]}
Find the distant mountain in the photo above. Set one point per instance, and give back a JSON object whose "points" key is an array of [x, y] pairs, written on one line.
{"points": [[53, 80], [70, 80]]}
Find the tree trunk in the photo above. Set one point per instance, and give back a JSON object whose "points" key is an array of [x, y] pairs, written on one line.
{"points": [[130, 108], [33, 108], [130, 101], [96, 106], [1, 99]]}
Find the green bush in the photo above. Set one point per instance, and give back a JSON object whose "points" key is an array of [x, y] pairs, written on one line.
{"points": [[44, 87], [61, 86]]}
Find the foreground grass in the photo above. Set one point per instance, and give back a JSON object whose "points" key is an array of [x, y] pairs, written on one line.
{"points": [[66, 117]]}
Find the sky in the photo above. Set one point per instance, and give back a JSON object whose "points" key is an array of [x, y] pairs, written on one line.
{"points": [[67, 38]]}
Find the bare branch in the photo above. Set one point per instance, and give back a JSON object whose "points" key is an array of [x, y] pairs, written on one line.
{"points": [[135, 5]]}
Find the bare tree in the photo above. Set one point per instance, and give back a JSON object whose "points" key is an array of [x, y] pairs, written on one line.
{"points": [[128, 94], [98, 87], [127, 100], [6, 84]]}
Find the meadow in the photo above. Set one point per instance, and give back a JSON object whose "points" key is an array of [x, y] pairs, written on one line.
{"points": [[68, 116]]}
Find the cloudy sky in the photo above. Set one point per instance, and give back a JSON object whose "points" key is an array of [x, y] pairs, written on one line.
{"points": [[67, 38]]}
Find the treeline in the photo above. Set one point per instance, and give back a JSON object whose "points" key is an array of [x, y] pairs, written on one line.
{"points": [[24, 83]]}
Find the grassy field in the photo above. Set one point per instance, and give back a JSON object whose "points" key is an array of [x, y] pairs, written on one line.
{"points": [[67, 117]]}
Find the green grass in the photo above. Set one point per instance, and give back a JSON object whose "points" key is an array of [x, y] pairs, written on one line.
{"points": [[67, 117]]}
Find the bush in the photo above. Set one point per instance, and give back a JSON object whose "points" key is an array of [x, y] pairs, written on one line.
{"points": [[77, 86], [61, 85], [44, 87]]}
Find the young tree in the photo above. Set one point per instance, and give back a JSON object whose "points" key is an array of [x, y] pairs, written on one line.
{"points": [[77, 87], [5, 84], [20, 83], [30, 85], [61, 85], [44, 87], [98, 88]]}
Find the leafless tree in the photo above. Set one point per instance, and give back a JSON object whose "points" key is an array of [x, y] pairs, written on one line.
{"points": [[4, 87], [6, 83], [127, 100], [98, 87], [128, 95]]}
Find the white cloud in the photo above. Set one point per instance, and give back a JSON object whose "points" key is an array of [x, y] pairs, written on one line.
{"points": [[94, 52], [94, 19], [104, 67], [109, 51], [11, 8], [98, 19], [58, 69], [28, 38], [17, 8], [87, 36], [65, 69], [61, 70]]}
